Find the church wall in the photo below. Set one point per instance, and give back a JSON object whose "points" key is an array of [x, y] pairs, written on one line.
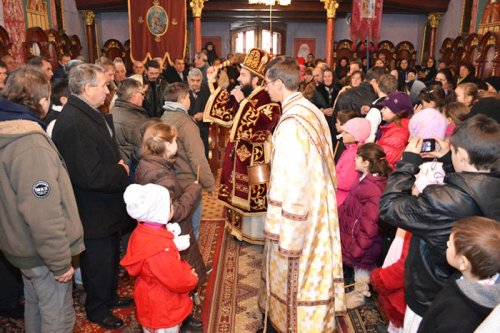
{"points": [[112, 25], [73, 24], [395, 28], [449, 26]]}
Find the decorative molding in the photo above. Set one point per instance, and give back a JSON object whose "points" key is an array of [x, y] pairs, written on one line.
{"points": [[197, 7], [434, 19], [331, 8], [88, 16]]}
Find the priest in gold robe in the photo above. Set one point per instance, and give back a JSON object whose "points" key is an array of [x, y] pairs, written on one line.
{"points": [[302, 287], [251, 115]]}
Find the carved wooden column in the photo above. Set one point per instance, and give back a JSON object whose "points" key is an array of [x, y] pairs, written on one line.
{"points": [[197, 7], [90, 32], [434, 19], [331, 10]]}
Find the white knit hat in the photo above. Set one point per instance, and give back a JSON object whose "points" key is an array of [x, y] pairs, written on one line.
{"points": [[148, 203]]}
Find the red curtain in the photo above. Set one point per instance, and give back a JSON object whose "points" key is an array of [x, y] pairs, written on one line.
{"points": [[157, 29], [366, 20]]}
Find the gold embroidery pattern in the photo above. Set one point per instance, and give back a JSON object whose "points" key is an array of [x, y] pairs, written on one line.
{"points": [[260, 136], [245, 135], [219, 109], [258, 197], [267, 110], [248, 121], [243, 153], [241, 177], [234, 218], [223, 191], [241, 188], [258, 154]]}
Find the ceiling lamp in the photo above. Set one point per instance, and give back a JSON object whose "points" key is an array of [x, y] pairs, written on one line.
{"points": [[270, 2]]}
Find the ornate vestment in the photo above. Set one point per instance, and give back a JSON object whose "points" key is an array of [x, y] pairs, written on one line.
{"points": [[302, 271], [252, 122]]}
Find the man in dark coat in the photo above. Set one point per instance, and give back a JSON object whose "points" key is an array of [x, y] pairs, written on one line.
{"points": [[357, 99], [85, 139], [472, 190], [199, 94], [363, 95], [177, 72], [153, 101]]}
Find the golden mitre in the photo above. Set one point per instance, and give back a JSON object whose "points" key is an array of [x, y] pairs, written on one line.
{"points": [[256, 62]]}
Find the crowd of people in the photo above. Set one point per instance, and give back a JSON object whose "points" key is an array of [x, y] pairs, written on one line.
{"points": [[383, 179]]}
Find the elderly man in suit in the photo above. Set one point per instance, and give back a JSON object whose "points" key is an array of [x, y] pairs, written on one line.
{"points": [[199, 94], [86, 140]]}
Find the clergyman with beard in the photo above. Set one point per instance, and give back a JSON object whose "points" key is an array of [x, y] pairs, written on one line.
{"points": [[252, 116]]}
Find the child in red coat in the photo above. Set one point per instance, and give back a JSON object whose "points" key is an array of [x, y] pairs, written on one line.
{"points": [[396, 110], [163, 279]]}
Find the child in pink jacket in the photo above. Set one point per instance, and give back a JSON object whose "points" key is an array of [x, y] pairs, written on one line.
{"points": [[355, 132]]}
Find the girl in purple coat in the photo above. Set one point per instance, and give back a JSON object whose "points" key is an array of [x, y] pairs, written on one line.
{"points": [[358, 217]]}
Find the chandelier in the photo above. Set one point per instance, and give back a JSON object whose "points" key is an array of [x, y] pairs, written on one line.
{"points": [[270, 2]]}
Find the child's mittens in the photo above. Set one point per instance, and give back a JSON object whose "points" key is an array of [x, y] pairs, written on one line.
{"points": [[182, 242], [174, 228]]}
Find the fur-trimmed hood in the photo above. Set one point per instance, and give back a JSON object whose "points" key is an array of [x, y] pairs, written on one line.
{"points": [[13, 129]]}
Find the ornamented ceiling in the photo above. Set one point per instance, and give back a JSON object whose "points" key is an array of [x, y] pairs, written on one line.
{"points": [[298, 11]]}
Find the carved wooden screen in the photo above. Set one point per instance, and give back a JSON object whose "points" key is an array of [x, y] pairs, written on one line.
{"points": [[387, 48], [65, 44], [343, 48], [127, 60], [489, 59], [458, 55], [76, 46], [472, 48], [406, 50], [36, 44], [54, 46], [113, 48], [446, 51]]}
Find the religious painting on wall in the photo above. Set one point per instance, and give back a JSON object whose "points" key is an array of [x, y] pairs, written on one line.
{"points": [[304, 46], [37, 14], [485, 16]]}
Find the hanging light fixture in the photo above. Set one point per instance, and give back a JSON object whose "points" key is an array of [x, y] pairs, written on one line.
{"points": [[270, 3]]}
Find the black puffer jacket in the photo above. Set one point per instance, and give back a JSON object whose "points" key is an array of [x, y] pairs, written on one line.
{"points": [[154, 98], [355, 98], [429, 218]]}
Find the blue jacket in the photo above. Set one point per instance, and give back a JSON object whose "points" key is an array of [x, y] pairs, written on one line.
{"points": [[13, 111]]}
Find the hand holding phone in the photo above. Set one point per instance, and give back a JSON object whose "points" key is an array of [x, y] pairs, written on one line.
{"points": [[428, 145]]}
